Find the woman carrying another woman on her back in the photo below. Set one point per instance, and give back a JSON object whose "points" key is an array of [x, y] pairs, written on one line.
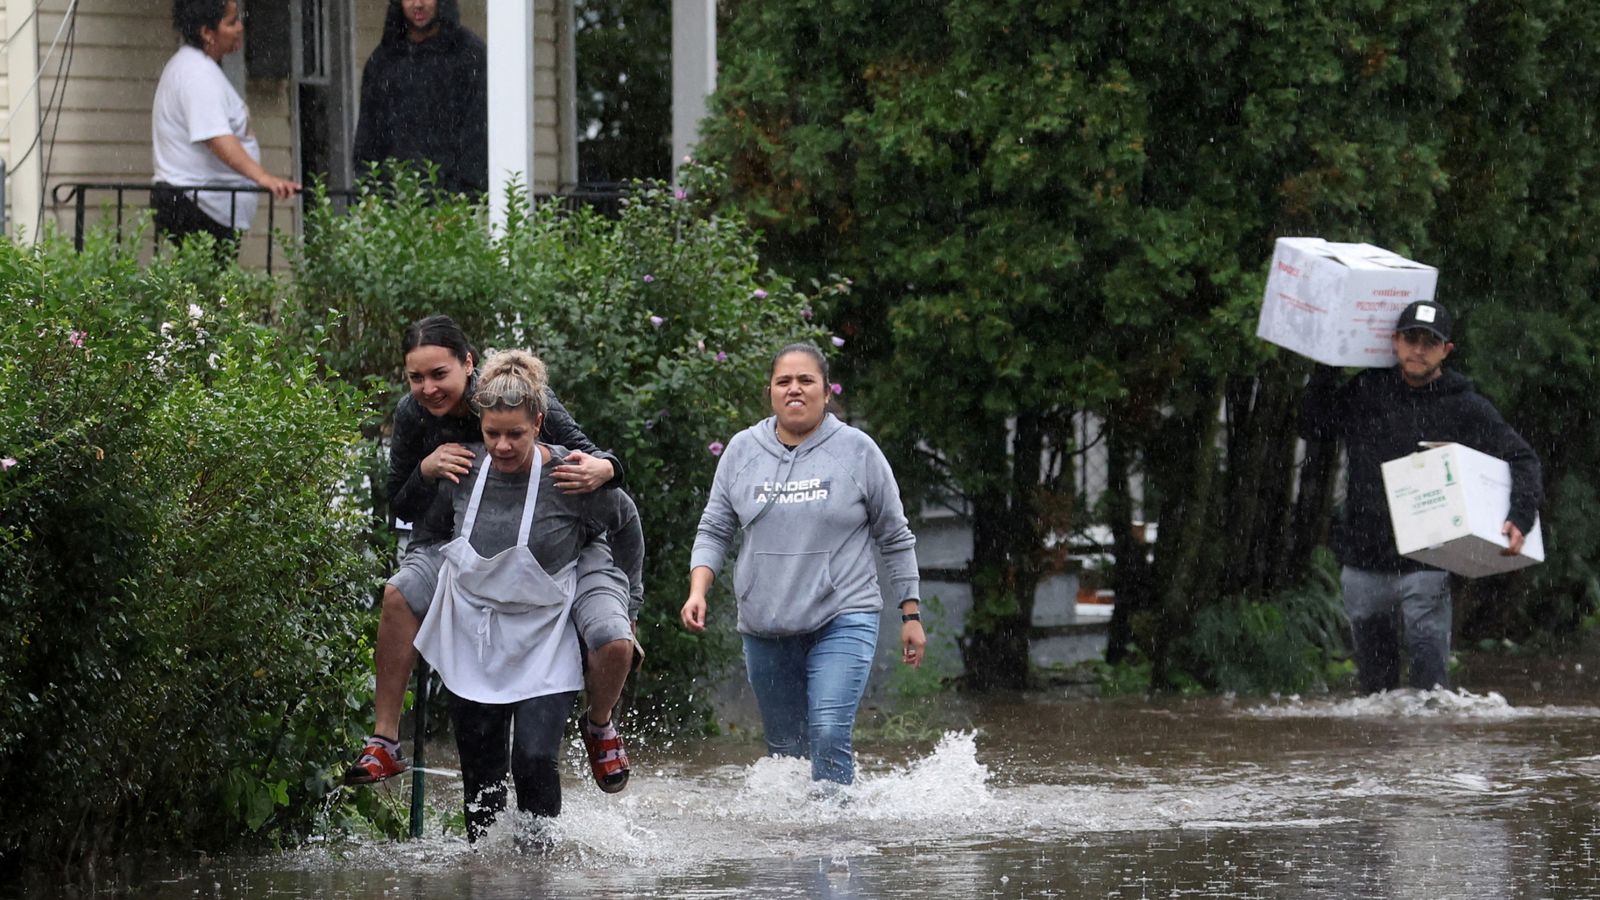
{"points": [[813, 497], [432, 426], [500, 628]]}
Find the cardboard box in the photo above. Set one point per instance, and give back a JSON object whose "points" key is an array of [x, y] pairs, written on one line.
{"points": [[1337, 303], [1448, 503]]}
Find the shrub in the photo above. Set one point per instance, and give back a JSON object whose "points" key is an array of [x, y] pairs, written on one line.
{"points": [[179, 617], [1290, 643]]}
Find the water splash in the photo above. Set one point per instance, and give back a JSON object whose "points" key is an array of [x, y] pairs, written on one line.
{"points": [[1440, 703], [772, 808]]}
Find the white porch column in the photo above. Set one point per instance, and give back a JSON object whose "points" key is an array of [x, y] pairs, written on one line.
{"points": [[511, 49], [694, 71], [24, 184]]}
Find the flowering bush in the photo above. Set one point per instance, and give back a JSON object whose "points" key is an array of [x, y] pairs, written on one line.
{"points": [[178, 617]]}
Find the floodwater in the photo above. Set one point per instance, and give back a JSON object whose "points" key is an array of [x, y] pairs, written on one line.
{"points": [[1475, 794]]}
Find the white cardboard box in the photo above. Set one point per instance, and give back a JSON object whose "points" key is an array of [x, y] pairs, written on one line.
{"points": [[1337, 303], [1448, 504]]}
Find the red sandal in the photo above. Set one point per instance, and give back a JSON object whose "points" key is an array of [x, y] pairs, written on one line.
{"points": [[607, 758], [380, 759]]}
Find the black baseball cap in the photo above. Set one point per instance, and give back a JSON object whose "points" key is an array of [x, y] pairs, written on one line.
{"points": [[1426, 315]]}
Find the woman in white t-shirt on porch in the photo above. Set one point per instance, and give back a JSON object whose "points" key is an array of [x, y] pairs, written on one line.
{"points": [[201, 133]]}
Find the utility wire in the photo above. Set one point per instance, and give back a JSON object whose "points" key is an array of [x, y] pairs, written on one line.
{"points": [[21, 25], [70, 16]]}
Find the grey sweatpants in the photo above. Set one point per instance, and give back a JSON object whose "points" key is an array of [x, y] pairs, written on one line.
{"points": [[1377, 604]]}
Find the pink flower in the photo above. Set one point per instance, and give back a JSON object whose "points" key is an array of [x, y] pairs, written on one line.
{"points": [[649, 278], [715, 448], [759, 294], [7, 463], [678, 195], [837, 388], [805, 313], [838, 341], [75, 338], [657, 321], [722, 356]]}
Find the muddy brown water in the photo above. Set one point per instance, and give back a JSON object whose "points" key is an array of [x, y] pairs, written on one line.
{"points": [[1491, 792]]}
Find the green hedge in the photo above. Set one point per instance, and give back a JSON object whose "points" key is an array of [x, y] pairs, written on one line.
{"points": [[179, 613]]}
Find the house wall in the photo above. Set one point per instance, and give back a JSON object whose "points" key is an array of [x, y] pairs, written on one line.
{"points": [[474, 15]]}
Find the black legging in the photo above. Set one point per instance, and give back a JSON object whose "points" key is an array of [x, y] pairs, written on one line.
{"points": [[484, 739]]}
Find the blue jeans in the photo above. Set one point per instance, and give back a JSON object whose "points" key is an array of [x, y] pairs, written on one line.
{"points": [[808, 687], [1375, 603]]}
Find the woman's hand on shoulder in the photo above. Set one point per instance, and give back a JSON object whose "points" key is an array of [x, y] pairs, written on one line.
{"points": [[449, 461], [581, 473]]}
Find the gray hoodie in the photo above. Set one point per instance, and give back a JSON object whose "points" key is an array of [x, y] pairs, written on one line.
{"points": [[810, 517]]}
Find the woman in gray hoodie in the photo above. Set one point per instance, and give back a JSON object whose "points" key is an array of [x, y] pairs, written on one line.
{"points": [[813, 497]]}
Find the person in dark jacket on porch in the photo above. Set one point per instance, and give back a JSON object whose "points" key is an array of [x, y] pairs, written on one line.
{"points": [[424, 96], [1383, 414]]}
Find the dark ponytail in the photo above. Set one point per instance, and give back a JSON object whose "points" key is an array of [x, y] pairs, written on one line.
{"points": [[438, 331]]}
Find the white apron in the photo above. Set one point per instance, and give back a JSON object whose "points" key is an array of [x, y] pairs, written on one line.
{"points": [[499, 629]]}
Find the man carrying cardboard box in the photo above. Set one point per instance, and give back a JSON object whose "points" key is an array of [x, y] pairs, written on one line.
{"points": [[1382, 414]]}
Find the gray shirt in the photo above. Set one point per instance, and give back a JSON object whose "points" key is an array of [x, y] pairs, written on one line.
{"points": [[563, 524]]}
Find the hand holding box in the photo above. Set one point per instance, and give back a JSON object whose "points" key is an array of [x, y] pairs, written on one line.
{"points": [[1449, 505]]}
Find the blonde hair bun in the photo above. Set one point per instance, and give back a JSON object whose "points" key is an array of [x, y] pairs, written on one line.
{"points": [[509, 379]]}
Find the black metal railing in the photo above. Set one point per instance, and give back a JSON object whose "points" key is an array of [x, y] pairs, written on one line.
{"points": [[604, 199]]}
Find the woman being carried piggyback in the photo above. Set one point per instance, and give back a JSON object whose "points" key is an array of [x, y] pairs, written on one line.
{"points": [[524, 576], [434, 426], [814, 497]]}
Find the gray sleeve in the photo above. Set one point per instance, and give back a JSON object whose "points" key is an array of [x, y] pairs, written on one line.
{"points": [[616, 515], [718, 522], [627, 545], [598, 575], [886, 520], [438, 522]]}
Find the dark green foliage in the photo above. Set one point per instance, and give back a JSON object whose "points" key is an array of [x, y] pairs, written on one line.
{"points": [[1293, 643], [1061, 208], [624, 72], [400, 252], [183, 575]]}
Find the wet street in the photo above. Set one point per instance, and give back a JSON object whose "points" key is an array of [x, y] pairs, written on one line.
{"points": [[1478, 794]]}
